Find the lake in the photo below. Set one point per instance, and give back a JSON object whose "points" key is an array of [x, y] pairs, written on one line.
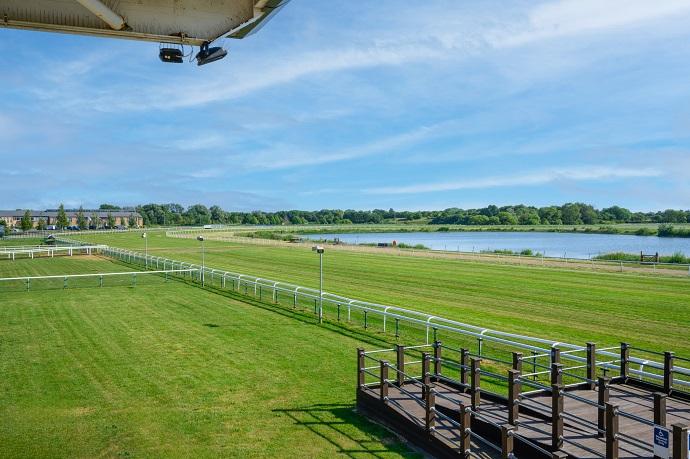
{"points": [[572, 245]]}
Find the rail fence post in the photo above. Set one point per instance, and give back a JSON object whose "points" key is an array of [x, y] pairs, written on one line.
{"points": [[555, 355], [507, 442], [611, 431], [591, 365], [556, 416], [514, 387], [437, 359], [625, 361], [559, 455], [397, 327], [400, 363], [430, 417], [668, 372], [680, 441], [384, 381], [602, 401], [557, 373], [426, 377], [465, 432], [660, 409], [464, 357], [360, 368], [475, 382], [365, 320], [517, 361]]}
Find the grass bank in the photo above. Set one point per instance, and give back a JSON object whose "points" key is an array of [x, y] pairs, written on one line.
{"points": [[171, 371]]}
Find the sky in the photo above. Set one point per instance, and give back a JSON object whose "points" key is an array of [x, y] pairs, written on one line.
{"points": [[409, 105]]}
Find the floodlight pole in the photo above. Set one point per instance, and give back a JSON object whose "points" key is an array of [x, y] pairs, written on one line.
{"points": [[146, 248], [203, 260], [318, 249]]}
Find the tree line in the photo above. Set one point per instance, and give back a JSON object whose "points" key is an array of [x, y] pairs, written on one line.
{"points": [[567, 214]]}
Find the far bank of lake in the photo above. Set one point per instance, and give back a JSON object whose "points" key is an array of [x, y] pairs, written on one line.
{"points": [[572, 245]]}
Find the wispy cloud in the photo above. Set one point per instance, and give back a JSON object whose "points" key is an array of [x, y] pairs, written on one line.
{"points": [[572, 17], [522, 179]]}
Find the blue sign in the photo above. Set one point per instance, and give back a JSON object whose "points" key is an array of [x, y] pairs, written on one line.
{"points": [[662, 437]]}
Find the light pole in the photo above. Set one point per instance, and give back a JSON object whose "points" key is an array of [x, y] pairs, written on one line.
{"points": [[146, 248], [318, 249], [201, 239]]}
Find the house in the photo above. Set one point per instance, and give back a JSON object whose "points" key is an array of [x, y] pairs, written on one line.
{"points": [[13, 218]]}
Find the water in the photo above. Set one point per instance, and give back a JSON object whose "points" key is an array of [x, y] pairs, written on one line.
{"points": [[572, 245]]}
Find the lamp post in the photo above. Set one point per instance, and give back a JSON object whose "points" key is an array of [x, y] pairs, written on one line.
{"points": [[146, 248], [319, 249], [201, 239]]}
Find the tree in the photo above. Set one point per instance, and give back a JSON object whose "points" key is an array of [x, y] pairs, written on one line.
{"points": [[95, 221], [111, 220], [571, 214], [109, 207], [132, 221], [41, 225], [81, 219], [61, 218], [26, 222], [507, 218]]}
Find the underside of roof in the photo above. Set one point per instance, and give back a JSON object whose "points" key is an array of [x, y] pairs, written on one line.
{"points": [[190, 22]]}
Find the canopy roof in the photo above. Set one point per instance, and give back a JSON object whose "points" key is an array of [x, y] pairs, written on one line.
{"points": [[190, 22]]}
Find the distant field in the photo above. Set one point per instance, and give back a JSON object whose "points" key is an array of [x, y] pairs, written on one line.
{"points": [[560, 304], [171, 371]]}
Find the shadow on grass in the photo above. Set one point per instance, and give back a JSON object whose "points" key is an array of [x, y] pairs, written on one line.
{"points": [[349, 432]]}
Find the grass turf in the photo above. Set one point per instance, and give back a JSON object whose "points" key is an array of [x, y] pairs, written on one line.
{"points": [[171, 371], [561, 304]]}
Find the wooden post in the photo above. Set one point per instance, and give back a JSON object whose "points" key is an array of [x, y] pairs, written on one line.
{"points": [[660, 409], [625, 361], [513, 396], [426, 378], [507, 442], [556, 416], [465, 432], [517, 361], [668, 372], [602, 401], [611, 431], [559, 455], [475, 382], [557, 373], [384, 381], [400, 363], [360, 368], [680, 441], [592, 365], [437, 359], [430, 417], [464, 362], [555, 355]]}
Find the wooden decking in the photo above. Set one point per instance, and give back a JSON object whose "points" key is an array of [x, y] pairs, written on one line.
{"points": [[581, 439]]}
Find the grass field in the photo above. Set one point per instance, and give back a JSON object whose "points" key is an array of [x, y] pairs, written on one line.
{"points": [[171, 371], [573, 306]]}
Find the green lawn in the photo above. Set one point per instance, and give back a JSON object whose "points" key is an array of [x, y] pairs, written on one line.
{"points": [[567, 305], [171, 370]]}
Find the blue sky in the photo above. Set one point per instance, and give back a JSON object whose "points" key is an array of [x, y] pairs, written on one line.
{"points": [[425, 105]]}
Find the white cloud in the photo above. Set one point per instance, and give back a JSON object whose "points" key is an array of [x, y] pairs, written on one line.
{"points": [[572, 17], [522, 179], [285, 157]]}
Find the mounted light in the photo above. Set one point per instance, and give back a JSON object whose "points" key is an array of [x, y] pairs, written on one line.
{"points": [[171, 55], [207, 55]]}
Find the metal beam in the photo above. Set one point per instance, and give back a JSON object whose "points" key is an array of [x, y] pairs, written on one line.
{"points": [[114, 20]]}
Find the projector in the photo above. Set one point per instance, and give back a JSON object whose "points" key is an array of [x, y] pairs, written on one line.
{"points": [[207, 55], [171, 55]]}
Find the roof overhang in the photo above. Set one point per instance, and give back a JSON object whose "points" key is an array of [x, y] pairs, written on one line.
{"points": [[191, 22]]}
